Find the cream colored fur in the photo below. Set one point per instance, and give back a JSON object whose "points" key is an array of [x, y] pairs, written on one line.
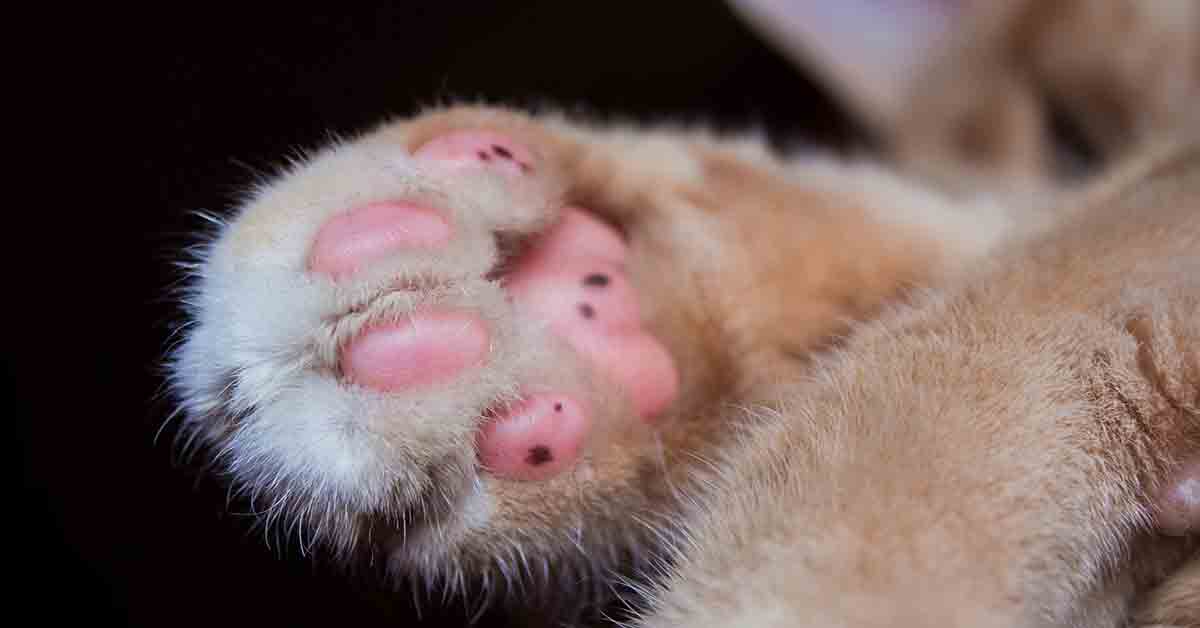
{"points": [[258, 375], [987, 457], [909, 389], [828, 243]]}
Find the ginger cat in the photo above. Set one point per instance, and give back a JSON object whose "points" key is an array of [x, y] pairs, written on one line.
{"points": [[516, 356]]}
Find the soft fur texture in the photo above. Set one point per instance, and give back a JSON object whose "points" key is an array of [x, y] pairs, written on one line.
{"points": [[258, 372], [988, 456], [937, 392]]}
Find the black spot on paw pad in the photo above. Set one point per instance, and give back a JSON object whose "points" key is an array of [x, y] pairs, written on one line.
{"points": [[596, 279], [539, 455]]}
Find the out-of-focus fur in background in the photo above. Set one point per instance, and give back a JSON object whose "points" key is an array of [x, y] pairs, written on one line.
{"points": [[1009, 94]]}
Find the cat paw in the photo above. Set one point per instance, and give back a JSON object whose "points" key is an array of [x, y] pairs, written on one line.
{"points": [[390, 333]]}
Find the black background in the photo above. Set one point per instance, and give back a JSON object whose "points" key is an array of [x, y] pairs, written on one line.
{"points": [[180, 111]]}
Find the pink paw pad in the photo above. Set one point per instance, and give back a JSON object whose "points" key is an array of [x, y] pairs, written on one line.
{"points": [[475, 148], [575, 281], [365, 234], [1179, 504], [428, 348], [537, 439]]}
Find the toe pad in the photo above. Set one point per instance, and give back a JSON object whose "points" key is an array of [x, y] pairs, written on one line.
{"points": [[535, 440]]}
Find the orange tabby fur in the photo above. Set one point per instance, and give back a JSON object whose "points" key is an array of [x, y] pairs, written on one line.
{"points": [[986, 457], [902, 480]]}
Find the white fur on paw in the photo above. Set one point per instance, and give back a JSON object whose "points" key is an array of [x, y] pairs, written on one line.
{"points": [[258, 375]]}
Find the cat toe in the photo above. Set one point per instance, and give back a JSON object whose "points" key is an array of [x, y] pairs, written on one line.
{"points": [[426, 348], [479, 148], [365, 234], [537, 439]]}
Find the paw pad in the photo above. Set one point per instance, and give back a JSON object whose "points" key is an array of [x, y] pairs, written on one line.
{"points": [[365, 234], [428, 348], [572, 278], [537, 439], [479, 148], [1179, 501]]}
